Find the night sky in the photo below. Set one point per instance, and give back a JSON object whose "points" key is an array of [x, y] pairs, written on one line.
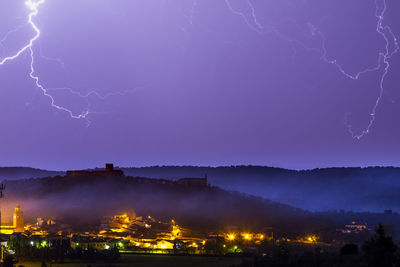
{"points": [[201, 82]]}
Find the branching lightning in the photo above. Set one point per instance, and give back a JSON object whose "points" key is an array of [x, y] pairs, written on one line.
{"points": [[34, 11], [383, 58], [252, 23], [33, 6], [250, 17], [383, 61], [8, 34]]}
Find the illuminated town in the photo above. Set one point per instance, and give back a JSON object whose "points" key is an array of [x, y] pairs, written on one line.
{"points": [[119, 236], [128, 233], [131, 233]]}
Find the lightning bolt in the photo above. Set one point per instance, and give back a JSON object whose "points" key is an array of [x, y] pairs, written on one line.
{"points": [[8, 34], [253, 22], [33, 7], [383, 60], [383, 57]]}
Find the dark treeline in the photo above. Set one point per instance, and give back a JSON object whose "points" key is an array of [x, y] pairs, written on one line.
{"points": [[360, 189], [57, 251], [377, 251], [14, 173]]}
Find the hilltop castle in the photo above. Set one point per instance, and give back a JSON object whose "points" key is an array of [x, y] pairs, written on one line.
{"points": [[109, 171]]}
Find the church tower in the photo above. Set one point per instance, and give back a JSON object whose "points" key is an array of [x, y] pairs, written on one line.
{"points": [[18, 220]]}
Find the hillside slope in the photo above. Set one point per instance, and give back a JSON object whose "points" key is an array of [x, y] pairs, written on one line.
{"points": [[358, 189], [87, 199]]}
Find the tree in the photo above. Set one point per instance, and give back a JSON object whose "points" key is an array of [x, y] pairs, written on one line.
{"points": [[9, 261], [349, 249], [380, 250]]}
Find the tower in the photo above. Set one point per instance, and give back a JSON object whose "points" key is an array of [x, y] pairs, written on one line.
{"points": [[2, 187], [18, 220], [109, 167]]}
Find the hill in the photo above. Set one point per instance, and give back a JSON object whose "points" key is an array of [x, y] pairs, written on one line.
{"points": [[84, 200], [357, 189], [14, 173]]}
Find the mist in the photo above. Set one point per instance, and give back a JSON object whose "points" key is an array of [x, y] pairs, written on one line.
{"points": [[84, 201]]}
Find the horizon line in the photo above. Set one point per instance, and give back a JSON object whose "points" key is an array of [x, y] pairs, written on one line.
{"points": [[210, 166]]}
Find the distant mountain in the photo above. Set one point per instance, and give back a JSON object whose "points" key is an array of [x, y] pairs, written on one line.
{"points": [[358, 189], [14, 173]]}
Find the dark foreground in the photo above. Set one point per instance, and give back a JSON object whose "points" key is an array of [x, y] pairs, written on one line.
{"points": [[149, 261]]}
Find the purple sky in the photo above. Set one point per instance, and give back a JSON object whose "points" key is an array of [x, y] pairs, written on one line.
{"points": [[206, 82]]}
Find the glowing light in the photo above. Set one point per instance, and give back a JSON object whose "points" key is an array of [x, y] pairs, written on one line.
{"points": [[311, 238], [231, 237], [246, 236], [107, 247], [176, 231]]}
